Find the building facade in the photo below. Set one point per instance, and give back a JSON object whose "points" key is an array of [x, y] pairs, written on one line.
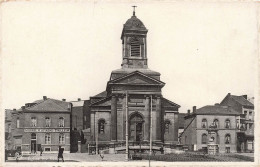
{"points": [[134, 93], [216, 123], [245, 121], [43, 124]]}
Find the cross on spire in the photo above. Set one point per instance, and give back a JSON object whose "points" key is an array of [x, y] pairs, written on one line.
{"points": [[134, 10]]}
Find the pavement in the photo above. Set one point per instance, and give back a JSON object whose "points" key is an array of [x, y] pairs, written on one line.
{"points": [[69, 157]]}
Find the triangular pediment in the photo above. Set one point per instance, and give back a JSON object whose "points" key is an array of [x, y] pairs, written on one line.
{"points": [[103, 102], [136, 78]]}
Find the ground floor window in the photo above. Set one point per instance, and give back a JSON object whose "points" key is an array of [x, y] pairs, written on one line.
{"points": [[47, 138], [227, 149], [62, 138], [47, 149]]}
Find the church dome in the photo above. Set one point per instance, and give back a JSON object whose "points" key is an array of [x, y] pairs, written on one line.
{"points": [[134, 23]]}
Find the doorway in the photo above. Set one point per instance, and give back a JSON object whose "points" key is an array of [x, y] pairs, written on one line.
{"points": [[33, 143], [136, 127]]}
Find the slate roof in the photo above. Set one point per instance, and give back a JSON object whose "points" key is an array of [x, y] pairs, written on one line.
{"points": [[215, 110], [241, 100], [102, 94], [50, 105]]}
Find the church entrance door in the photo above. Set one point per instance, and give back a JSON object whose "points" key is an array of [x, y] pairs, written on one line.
{"points": [[136, 127]]}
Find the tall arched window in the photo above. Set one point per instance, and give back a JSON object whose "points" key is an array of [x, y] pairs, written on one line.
{"points": [[17, 122], [227, 124], [204, 123], [101, 126], [135, 47], [216, 123], [33, 121], [47, 138], [167, 126], [61, 138], [204, 138], [61, 122], [47, 122], [227, 139]]}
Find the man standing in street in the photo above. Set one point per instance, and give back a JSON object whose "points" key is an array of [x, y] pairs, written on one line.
{"points": [[60, 153]]}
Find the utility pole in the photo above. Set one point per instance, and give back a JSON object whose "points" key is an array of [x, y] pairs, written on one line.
{"points": [[126, 129], [151, 129]]}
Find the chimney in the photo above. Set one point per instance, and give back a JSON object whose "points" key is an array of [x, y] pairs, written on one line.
{"points": [[44, 97], [14, 109], [63, 99], [194, 109], [245, 96], [23, 107], [188, 112], [79, 99]]}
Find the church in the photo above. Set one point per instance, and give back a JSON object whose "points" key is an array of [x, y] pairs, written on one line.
{"points": [[133, 98]]}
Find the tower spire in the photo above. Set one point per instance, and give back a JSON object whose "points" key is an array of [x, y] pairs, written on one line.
{"points": [[134, 10]]}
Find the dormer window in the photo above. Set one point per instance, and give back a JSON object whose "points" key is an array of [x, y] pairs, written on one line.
{"points": [[135, 47]]}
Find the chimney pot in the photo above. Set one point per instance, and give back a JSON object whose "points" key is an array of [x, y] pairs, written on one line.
{"points": [[229, 94], [79, 99], [188, 111], [14, 109], [44, 97], [194, 109], [63, 99]]}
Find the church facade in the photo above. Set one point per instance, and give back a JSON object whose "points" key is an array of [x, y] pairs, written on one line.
{"points": [[134, 93]]}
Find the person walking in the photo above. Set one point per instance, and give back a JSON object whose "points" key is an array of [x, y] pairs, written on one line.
{"points": [[41, 151], [60, 153]]}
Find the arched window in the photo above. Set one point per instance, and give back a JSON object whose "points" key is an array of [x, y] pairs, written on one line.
{"points": [[61, 122], [204, 138], [33, 121], [135, 47], [204, 123], [227, 124], [47, 122], [33, 136], [61, 138], [216, 123], [227, 139], [17, 122], [47, 138], [101, 126], [167, 126]]}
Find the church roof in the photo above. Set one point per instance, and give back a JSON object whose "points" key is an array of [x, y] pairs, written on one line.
{"points": [[134, 24]]}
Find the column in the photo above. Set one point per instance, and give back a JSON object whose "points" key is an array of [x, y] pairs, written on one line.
{"points": [[113, 127], [124, 115], [158, 118], [147, 119]]}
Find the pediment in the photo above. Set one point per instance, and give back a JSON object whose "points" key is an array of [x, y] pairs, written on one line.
{"points": [[136, 78], [102, 103]]}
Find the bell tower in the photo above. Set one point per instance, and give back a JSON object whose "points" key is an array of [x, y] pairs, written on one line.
{"points": [[134, 44]]}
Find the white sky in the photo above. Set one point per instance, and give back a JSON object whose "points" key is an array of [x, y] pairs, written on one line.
{"points": [[68, 49]]}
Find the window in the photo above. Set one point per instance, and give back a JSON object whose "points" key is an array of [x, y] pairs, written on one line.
{"points": [[237, 124], [61, 122], [101, 126], [17, 122], [227, 139], [61, 138], [227, 149], [47, 122], [227, 124], [33, 136], [33, 121], [85, 118], [167, 126], [250, 126], [215, 123], [204, 123], [47, 138], [47, 149], [204, 139], [250, 117], [135, 47]]}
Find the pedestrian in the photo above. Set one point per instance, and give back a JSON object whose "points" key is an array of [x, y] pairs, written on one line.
{"points": [[60, 153], [17, 156], [41, 151]]}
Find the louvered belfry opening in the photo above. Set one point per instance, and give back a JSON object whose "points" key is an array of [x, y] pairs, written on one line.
{"points": [[135, 48]]}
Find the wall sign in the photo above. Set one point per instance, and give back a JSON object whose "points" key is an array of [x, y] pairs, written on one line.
{"points": [[46, 130]]}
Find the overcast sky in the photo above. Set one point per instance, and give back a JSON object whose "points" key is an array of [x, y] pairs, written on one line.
{"points": [[68, 49]]}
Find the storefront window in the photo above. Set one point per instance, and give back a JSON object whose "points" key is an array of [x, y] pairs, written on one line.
{"points": [[47, 138], [62, 138]]}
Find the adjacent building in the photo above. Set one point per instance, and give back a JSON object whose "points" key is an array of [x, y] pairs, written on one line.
{"points": [[245, 121], [42, 124], [216, 123]]}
